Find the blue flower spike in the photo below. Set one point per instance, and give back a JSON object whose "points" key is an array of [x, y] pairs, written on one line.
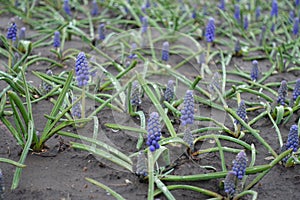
{"points": [[101, 32], [237, 13], [56, 39], [187, 113], [95, 9], [229, 183], [210, 30], [282, 93], [292, 141], [67, 8], [76, 109], [135, 98], [241, 112], [165, 52], [254, 71], [274, 10], [154, 132], [239, 165], [169, 92], [82, 70], [296, 91], [296, 26], [257, 13], [12, 32]]}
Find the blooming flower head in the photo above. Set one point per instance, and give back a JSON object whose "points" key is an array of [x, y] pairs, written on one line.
{"points": [[154, 131], [67, 8], [255, 71], [12, 32], [229, 183], [240, 164], [296, 26], [237, 13], [296, 91], [297, 2], [165, 52], [56, 39], [210, 30], [257, 13], [282, 93], [22, 33], [293, 139], [76, 109], [101, 31], [169, 92], [95, 9], [144, 24], [274, 10], [246, 23], [187, 113], [135, 98], [141, 165], [241, 111], [222, 5], [82, 70]]}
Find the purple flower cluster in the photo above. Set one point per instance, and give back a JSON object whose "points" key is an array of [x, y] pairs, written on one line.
{"points": [[76, 109], [257, 13], [240, 164], [56, 39], [187, 113], [135, 98], [222, 5], [274, 10], [144, 24], [293, 139], [12, 32], [67, 8], [169, 92], [154, 131], [229, 183], [246, 23], [237, 13], [22, 34], [82, 70], [210, 30], [165, 52], [141, 167], [241, 112], [46, 87], [282, 93], [255, 71], [296, 91], [95, 9], [101, 31], [296, 26]]}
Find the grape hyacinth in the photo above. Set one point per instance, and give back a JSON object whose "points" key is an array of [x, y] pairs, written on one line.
{"points": [[229, 183], [240, 164], [12, 32], [257, 13], [95, 9], [296, 91], [296, 26], [135, 97], [237, 13], [165, 52], [169, 92], [46, 87], [132, 55], [67, 8], [154, 131], [293, 139], [189, 138], [274, 10], [141, 166], [194, 14], [144, 24], [297, 2], [255, 71], [101, 31], [246, 23], [187, 113], [272, 28], [76, 109], [22, 33], [56, 39], [291, 16], [82, 70], [241, 112], [210, 30], [222, 5], [282, 93]]}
